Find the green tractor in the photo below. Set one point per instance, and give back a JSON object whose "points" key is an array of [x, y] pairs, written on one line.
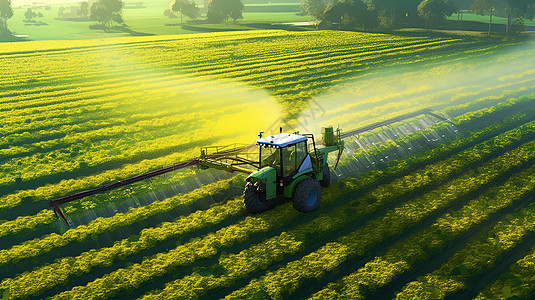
{"points": [[287, 164]]}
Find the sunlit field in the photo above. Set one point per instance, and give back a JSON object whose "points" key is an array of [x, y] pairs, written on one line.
{"points": [[424, 214]]}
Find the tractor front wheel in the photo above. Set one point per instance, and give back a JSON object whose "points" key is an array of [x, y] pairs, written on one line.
{"points": [[255, 198], [307, 195]]}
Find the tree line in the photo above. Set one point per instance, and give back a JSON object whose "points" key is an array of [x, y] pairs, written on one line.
{"points": [[108, 13], [365, 14], [368, 14]]}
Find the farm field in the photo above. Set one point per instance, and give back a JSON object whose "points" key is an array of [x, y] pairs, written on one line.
{"points": [[452, 220]]}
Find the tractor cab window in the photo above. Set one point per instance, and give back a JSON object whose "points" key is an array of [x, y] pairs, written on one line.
{"points": [[301, 153], [288, 160], [292, 156], [270, 157]]}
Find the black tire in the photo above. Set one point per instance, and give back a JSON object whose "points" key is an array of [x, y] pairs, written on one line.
{"points": [[307, 195], [255, 198], [326, 181]]}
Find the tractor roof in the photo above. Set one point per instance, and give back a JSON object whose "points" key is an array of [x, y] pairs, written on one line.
{"points": [[281, 140]]}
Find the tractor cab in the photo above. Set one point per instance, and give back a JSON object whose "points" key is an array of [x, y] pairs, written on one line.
{"points": [[285, 152], [288, 165]]}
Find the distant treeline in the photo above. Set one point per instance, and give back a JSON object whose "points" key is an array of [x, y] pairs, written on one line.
{"points": [[427, 13]]}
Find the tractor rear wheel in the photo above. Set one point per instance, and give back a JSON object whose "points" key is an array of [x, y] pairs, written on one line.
{"points": [[307, 195], [254, 197], [326, 181]]}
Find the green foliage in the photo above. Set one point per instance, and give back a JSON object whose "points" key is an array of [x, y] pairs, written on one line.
{"points": [[186, 7], [221, 10], [482, 6], [30, 14], [435, 11], [6, 12], [52, 242], [27, 223], [350, 14], [49, 276], [314, 8], [83, 11], [106, 13], [406, 254]]}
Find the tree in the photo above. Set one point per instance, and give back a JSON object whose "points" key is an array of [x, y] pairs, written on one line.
{"points": [[314, 8], [434, 11], [61, 12], [481, 6], [6, 12], [350, 13], [29, 14], [334, 12], [387, 9], [186, 7], [83, 11], [518, 10], [221, 10], [105, 13], [393, 13], [169, 13]]}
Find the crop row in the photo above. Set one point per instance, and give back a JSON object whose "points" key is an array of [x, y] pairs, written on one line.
{"points": [[98, 93], [74, 108], [31, 96], [92, 153], [60, 130], [27, 223], [287, 279], [136, 131], [165, 262], [39, 48], [518, 282], [321, 60], [72, 185], [39, 246], [194, 43], [274, 59], [71, 105], [277, 48], [50, 275], [452, 276], [405, 255]]}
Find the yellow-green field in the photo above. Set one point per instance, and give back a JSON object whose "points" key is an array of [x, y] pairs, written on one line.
{"points": [[79, 114]]}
